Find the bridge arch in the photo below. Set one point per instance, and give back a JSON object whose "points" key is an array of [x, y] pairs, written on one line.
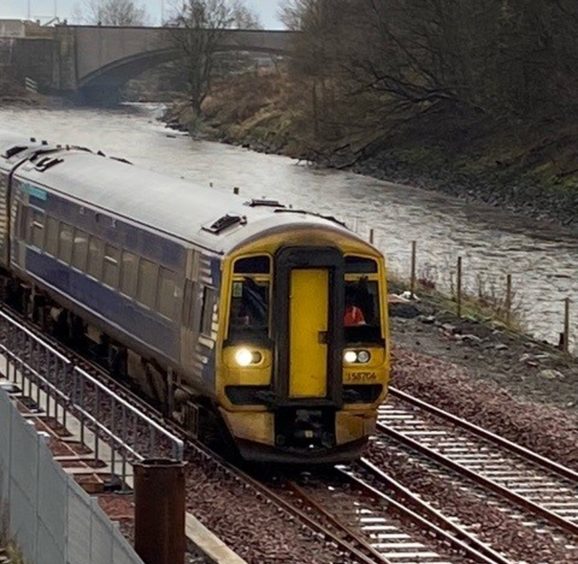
{"points": [[104, 58], [105, 82]]}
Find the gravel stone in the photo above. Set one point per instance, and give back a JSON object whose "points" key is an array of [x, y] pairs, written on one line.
{"points": [[547, 430]]}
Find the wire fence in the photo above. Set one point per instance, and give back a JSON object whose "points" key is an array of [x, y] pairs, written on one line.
{"points": [[52, 518], [498, 296]]}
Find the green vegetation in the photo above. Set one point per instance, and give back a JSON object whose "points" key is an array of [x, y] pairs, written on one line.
{"points": [[7, 547], [487, 304]]}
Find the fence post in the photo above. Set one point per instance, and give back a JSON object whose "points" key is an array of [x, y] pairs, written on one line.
{"points": [[459, 288], [413, 260], [508, 298], [566, 337], [371, 236]]}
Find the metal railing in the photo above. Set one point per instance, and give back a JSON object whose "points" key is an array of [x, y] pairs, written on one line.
{"points": [[62, 391]]}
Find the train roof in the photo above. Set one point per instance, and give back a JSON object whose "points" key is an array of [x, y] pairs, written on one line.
{"points": [[202, 216], [15, 147]]}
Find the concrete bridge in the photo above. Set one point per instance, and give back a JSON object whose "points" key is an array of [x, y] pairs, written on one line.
{"points": [[95, 61]]}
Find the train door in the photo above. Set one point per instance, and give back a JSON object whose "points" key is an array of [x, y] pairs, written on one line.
{"points": [[309, 322]]}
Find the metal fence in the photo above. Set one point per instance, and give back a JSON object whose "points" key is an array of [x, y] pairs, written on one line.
{"points": [[109, 424], [52, 519]]}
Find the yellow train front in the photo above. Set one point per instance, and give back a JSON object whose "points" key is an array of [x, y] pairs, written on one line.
{"points": [[303, 350]]}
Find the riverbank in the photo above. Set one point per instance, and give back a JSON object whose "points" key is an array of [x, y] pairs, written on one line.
{"points": [[485, 351], [528, 169]]}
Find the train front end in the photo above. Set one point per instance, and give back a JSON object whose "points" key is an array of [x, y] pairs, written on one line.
{"points": [[304, 358]]}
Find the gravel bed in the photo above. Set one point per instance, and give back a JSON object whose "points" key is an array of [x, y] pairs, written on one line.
{"points": [[493, 526], [547, 430], [347, 502], [258, 530]]}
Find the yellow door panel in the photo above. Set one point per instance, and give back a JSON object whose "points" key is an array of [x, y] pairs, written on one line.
{"points": [[308, 317]]}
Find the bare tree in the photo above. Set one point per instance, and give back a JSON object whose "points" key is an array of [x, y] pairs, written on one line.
{"points": [[294, 13], [110, 12], [197, 32], [245, 18]]}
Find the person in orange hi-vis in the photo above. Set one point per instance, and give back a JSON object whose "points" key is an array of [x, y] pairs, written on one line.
{"points": [[353, 315]]}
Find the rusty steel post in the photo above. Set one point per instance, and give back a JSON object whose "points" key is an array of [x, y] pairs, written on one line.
{"points": [[159, 496]]}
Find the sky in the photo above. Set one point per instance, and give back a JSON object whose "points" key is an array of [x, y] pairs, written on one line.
{"points": [[44, 9]]}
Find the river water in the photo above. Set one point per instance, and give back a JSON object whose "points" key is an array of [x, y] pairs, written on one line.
{"points": [[492, 244]]}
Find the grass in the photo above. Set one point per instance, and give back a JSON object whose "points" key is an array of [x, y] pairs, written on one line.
{"points": [[8, 547], [485, 303]]}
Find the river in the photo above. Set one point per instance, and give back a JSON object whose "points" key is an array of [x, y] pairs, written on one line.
{"points": [[542, 261]]}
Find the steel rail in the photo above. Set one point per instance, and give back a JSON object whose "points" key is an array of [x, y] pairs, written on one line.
{"points": [[306, 498], [526, 504], [275, 498], [536, 458], [422, 522], [463, 539]]}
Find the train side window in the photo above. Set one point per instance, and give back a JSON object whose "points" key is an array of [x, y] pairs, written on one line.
{"points": [[167, 288], [37, 230], [79, 249], [65, 243], [95, 254], [147, 282], [111, 266], [128, 274], [207, 315], [51, 243]]}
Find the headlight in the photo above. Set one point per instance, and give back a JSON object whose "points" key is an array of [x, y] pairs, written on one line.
{"points": [[363, 357], [245, 357], [350, 357], [356, 357]]}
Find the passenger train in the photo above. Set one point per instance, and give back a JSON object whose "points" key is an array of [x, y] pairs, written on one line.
{"points": [[272, 319]]}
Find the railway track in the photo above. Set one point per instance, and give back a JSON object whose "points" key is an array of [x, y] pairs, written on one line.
{"points": [[350, 548], [395, 524], [538, 492], [367, 516]]}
